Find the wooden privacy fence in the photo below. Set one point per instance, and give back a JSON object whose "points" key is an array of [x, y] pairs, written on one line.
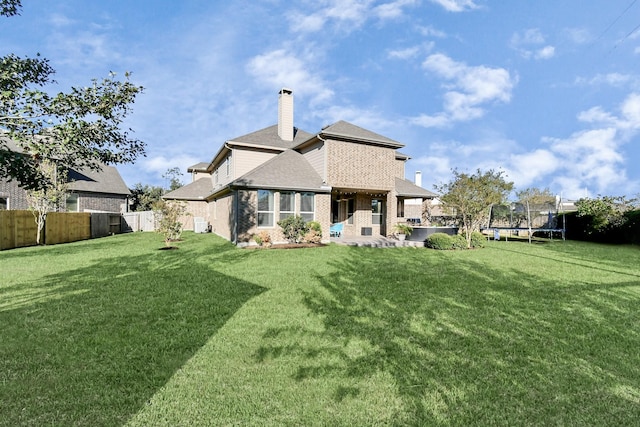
{"points": [[18, 228]]}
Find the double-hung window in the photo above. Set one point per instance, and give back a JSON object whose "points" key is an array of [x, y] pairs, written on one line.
{"points": [[72, 203], [287, 204], [265, 208], [307, 206]]}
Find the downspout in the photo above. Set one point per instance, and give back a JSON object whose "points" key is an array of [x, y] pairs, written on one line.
{"points": [[236, 205], [324, 162]]}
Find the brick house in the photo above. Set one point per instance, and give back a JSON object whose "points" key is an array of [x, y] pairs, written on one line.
{"points": [[89, 191], [341, 174]]}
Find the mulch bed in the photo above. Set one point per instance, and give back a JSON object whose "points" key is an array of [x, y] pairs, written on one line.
{"points": [[288, 246]]}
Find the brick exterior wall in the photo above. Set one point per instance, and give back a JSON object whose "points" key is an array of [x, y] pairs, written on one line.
{"points": [[102, 202], [247, 219], [194, 209], [220, 216], [370, 171], [360, 166], [86, 201], [16, 196]]}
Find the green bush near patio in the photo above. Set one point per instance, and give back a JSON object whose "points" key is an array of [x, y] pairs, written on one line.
{"points": [[114, 331]]}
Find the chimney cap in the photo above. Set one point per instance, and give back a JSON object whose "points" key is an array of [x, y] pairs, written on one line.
{"points": [[286, 91]]}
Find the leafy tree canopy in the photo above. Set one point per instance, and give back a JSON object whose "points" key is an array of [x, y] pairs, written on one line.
{"points": [[80, 128], [605, 211], [471, 196]]}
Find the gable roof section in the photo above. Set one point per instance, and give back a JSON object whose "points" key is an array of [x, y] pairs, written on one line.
{"points": [[106, 180], [199, 189], [347, 131], [198, 167], [269, 138], [408, 189], [289, 170]]}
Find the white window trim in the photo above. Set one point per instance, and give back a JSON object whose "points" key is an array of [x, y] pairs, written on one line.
{"points": [[272, 212]]}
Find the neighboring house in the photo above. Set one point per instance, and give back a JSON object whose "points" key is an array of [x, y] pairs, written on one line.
{"points": [[89, 190], [343, 173]]}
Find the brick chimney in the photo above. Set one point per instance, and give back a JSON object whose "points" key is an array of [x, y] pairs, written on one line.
{"points": [[285, 114]]}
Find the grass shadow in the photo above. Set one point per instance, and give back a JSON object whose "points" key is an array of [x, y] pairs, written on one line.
{"points": [[469, 344], [92, 344]]}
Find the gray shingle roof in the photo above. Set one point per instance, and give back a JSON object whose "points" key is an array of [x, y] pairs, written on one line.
{"points": [[289, 170], [350, 131], [107, 180], [406, 188], [198, 167], [269, 137], [199, 189]]}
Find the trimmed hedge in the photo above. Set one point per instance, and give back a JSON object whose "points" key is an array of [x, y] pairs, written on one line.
{"points": [[444, 242], [478, 240], [439, 241]]}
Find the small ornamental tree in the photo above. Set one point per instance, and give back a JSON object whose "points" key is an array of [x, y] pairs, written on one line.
{"points": [[471, 197], [167, 214], [49, 198]]}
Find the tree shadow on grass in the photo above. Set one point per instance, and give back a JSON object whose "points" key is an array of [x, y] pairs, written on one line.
{"points": [[90, 346], [466, 344]]}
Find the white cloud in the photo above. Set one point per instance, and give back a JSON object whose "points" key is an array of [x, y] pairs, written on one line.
{"points": [[611, 79], [280, 68], [410, 52], [595, 159], [430, 31], [529, 36], [407, 53], [393, 10], [546, 52], [456, 5], [526, 168], [578, 35], [470, 88], [346, 14], [527, 42]]}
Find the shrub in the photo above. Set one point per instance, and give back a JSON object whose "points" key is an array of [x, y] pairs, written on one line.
{"points": [[439, 241], [458, 242], [312, 236], [263, 238], [293, 228], [478, 240], [315, 226]]}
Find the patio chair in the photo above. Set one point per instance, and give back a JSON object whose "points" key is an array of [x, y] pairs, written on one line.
{"points": [[336, 229]]}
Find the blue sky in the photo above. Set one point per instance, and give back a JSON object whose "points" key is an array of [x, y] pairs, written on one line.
{"points": [[547, 91]]}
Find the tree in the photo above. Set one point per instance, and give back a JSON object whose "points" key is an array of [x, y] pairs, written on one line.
{"points": [[143, 197], [471, 196], [173, 176], [605, 211], [167, 214], [534, 196], [49, 198], [81, 128]]}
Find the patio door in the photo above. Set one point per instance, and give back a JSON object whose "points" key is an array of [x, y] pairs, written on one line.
{"points": [[379, 214]]}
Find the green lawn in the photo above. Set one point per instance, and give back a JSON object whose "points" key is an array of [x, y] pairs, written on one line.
{"points": [[116, 332]]}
